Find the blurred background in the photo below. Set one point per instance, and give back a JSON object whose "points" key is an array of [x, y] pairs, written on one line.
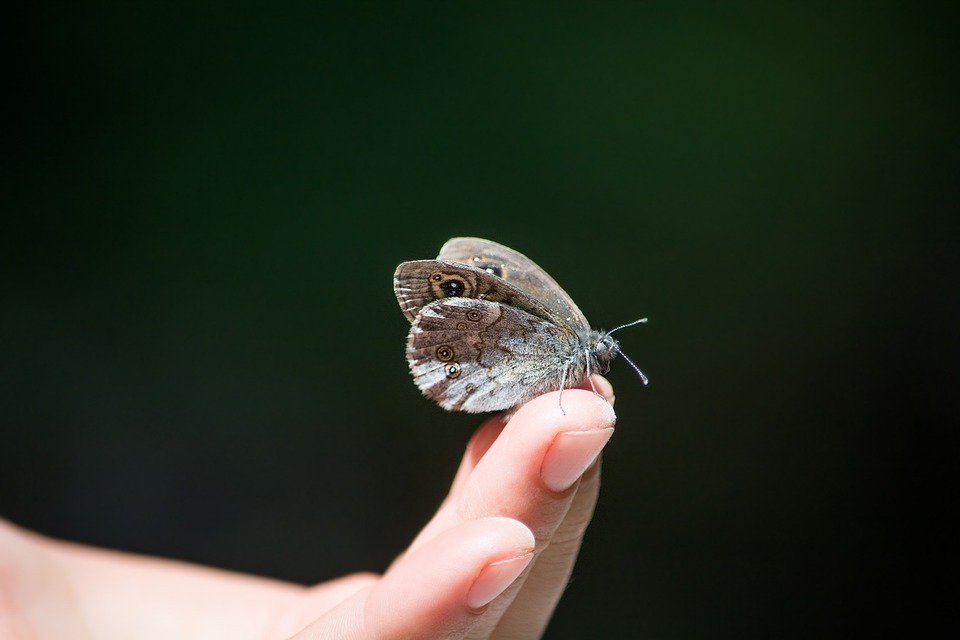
{"points": [[202, 357]]}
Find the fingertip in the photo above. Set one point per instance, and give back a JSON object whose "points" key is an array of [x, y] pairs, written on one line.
{"points": [[606, 411], [602, 387], [575, 408], [517, 545], [511, 532]]}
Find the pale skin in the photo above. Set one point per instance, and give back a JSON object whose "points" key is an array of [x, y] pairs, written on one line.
{"points": [[491, 563]]}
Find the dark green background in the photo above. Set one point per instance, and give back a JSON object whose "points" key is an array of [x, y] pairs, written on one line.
{"points": [[202, 356]]}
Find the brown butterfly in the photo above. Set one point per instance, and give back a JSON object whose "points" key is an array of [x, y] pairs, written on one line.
{"points": [[491, 330]]}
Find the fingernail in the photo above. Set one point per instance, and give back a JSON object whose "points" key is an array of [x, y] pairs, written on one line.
{"points": [[570, 454], [494, 580]]}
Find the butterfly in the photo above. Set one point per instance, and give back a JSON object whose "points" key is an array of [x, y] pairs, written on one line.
{"points": [[491, 330]]}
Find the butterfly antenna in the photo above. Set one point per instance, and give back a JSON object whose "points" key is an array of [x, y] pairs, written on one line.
{"points": [[642, 375], [624, 326]]}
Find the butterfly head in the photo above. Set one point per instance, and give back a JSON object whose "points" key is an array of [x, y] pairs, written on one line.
{"points": [[606, 349], [603, 349]]}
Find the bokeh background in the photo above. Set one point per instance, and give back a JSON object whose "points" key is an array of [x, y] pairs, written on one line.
{"points": [[202, 357]]}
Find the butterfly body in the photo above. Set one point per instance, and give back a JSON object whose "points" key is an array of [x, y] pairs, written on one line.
{"points": [[491, 330]]}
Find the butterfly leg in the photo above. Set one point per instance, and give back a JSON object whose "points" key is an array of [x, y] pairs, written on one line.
{"points": [[586, 353], [563, 384]]}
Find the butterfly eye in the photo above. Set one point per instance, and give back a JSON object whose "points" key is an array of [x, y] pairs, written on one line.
{"points": [[452, 370], [444, 353]]}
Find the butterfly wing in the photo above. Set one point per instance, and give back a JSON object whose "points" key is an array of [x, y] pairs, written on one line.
{"points": [[518, 270], [475, 355], [419, 282]]}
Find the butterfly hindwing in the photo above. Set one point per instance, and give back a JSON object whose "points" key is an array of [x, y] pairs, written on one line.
{"points": [[476, 355]]}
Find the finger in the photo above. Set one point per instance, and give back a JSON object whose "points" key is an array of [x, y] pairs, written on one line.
{"points": [[601, 385], [479, 444], [531, 609], [533, 605], [533, 473], [441, 590], [530, 471], [488, 432], [327, 595]]}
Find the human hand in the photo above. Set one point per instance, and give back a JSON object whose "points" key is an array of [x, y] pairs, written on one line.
{"points": [[491, 563]]}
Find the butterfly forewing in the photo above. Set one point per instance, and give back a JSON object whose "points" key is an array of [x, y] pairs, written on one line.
{"points": [[476, 355], [518, 270], [419, 282]]}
